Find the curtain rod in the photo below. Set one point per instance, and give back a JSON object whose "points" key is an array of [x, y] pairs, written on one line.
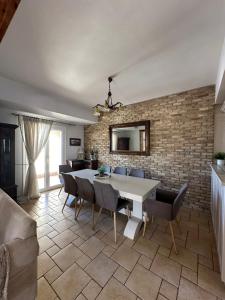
{"points": [[48, 119]]}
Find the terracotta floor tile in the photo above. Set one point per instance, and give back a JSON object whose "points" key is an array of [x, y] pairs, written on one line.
{"points": [[144, 283], [126, 257], [115, 290], [92, 247], [121, 274], [53, 274], [101, 269], [70, 284], [211, 282], [92, 290], [65, 238], [202, 247], [146, 247], [67, 256], [166, 269], [45, 243], [189, 274], [190, 291], [45, 291], [168, 290], [185, 257], [45, 263]]}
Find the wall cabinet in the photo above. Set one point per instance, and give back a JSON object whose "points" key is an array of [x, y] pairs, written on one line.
{"points": [[218, 214]]}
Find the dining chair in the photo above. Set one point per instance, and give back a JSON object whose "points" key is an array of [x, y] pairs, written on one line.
{"points": [[108, 198], [70, 187], [120, 170], [85, 193], [166, 206], [63, 169], [137, 173]]}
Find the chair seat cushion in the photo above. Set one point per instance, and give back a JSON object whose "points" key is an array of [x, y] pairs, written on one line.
{"points": [[158, 209], [122, 203]]}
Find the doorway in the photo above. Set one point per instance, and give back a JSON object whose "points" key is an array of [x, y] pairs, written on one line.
{"points": [[53, 154]]}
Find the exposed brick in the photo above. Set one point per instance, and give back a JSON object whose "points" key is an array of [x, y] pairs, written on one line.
{"points": [[181, 141]]}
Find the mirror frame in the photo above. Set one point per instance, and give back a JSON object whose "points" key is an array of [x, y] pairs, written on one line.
{"points": [[145, 123]]}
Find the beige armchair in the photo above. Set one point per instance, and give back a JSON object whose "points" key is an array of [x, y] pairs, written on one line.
{"points": [[18, 233]]}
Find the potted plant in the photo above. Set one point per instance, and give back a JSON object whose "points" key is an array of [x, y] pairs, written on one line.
{"points": [[220, 157], [101, 171]]}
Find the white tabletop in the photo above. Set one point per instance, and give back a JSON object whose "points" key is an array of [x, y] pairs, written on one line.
{"points": [[133, 188]]}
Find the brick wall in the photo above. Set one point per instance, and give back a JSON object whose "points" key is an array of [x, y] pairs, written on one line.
{"points": [[181, 141]]}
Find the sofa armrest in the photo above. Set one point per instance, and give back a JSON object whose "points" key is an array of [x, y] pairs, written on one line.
{"points": [[22, 253]]}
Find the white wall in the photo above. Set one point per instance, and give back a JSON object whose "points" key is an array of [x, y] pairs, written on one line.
{"points": [[74, 132], [71, 131], [219, 130], [220, 80]]}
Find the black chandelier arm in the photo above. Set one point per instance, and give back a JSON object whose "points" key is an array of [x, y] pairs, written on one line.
{"points": [[97, 105], [116, 104]]}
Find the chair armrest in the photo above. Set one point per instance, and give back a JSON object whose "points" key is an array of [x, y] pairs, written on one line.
{"points": [[165, 196], [22, 253]]}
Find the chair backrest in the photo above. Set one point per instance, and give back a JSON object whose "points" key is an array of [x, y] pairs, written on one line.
{"points": [[106, 197], [85, 189], [120, 170], [137, 173], [107, 168], [70, 185], [179, 199], [65, 169]]}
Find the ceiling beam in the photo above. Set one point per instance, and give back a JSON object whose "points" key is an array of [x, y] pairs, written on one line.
{"points": [[7, 10]]}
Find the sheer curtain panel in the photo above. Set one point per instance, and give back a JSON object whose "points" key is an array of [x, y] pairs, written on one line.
{"points": [[35, 133]]}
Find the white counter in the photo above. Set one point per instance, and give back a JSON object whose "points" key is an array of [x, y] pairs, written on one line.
{"points": [[218, 213]]}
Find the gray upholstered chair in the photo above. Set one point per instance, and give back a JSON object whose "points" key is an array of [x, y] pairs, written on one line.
{"points": [[108, 198], [166, 206], [70, 187], [120, 170], [137, 173], [85, 193], [63, 169]]}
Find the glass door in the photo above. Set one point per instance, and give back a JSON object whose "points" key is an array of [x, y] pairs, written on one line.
{"points": [[47, 164]]}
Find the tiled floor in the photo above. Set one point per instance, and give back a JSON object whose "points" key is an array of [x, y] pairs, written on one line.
{"points": [[76, 262]]}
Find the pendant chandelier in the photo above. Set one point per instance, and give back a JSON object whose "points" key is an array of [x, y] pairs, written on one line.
{"points": [[108, 106]]}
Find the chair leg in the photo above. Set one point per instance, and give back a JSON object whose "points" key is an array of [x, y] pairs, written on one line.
{"points": [[145, 223], [178, 225], [79, 209], [144, 229], [93, 215], [99, 213], [65, 202], [172, 235], [128, 212], [60, 191], [152, 220], [76, 200], [114, 218]]}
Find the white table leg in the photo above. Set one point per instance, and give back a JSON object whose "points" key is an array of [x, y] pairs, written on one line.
{"points": [[134, 223]]}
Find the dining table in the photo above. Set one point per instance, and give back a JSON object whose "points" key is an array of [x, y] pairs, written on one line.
{"points": [[135, 189]]}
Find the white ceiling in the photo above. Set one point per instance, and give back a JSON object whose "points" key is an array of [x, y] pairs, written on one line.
{"points": [[154, 47]]}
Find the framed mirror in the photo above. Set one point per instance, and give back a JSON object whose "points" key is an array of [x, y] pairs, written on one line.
{"points": [[130, 138]]}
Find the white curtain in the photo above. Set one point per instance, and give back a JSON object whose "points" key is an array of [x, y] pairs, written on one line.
{"points": [[35, 133]]}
